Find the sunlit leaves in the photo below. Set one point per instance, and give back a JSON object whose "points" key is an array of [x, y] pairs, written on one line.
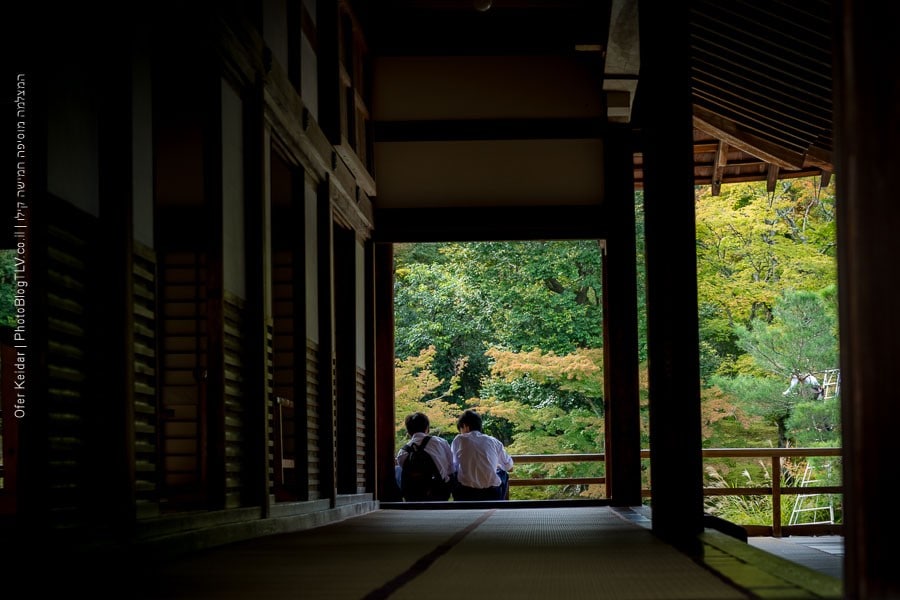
{"points": [[580, 371], [417, 389], [800, 339], [751, 245]]}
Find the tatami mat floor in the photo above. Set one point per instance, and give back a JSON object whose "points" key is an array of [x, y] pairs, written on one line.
{"points": [[824, 554], [572, 553]]}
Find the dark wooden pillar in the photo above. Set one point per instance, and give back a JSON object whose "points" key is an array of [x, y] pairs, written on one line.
{"points": [[327, 408], [301, 331], [672, 321], [214, 215], [369, 320], [384, 373], [258, 258], [328, 62], [345, 327], [621, 383], [111, 433], [867, 102]]}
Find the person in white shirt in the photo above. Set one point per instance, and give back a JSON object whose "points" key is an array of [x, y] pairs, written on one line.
{"points": [[418, 427], [481, 462]]}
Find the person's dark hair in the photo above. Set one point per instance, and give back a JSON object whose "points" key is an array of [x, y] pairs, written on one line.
{"points": [[417, 423], [471, 419]]}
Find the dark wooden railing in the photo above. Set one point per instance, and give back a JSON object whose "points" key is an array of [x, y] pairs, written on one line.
{"points": [[776, 490]]}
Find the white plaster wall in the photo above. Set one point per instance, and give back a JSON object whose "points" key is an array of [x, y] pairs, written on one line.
{"points": [[267, 219], [312, 260], [500, 172], [309, 72], [485, 87], [73, 137], [142, 151], [275, 30], [233, 192], [310, 8], [490, 173]]}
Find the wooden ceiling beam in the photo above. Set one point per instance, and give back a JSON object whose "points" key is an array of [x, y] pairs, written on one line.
{"points": [[818, 157], [726, 130], [706, 147], [750, 177], [771, 178], [719, 164]]}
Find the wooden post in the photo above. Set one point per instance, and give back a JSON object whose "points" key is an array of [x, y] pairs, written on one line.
{"points": [[776, 496], [325, 268], [672, 320], [384, 373], [621, 382], [112, 421], [867, 103]]}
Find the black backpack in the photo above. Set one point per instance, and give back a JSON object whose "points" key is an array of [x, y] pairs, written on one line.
{"points": [[420, 479]]}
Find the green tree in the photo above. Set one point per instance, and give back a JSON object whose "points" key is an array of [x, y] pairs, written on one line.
{"points": [[549, 404], [801, 339], [543, 295], [417, 389], [753, 245], [515, 329], [641, 276], [437, 304], [546, 429], [464, 298], [540, 379]]}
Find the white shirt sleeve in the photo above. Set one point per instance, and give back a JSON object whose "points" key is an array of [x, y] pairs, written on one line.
{"points": [[442, 455], [506, 461]]}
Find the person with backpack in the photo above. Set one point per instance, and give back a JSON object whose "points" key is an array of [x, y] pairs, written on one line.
{"points": [[424, 464], [480, 461]]}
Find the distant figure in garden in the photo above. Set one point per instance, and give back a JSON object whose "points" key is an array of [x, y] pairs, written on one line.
{"points": [[425, 463], [481, 462], [818, 392]]}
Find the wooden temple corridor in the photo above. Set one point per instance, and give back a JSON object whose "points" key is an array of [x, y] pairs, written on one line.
{"points": [[197, 396], [489, 552]]}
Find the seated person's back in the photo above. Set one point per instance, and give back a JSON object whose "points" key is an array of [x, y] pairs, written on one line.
{"points": [[424, 486], [481, 462]]}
